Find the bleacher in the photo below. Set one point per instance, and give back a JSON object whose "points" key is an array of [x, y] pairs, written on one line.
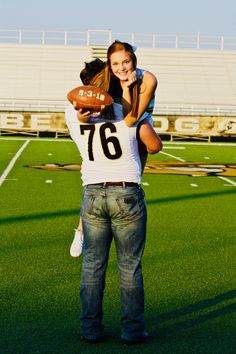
{"points": [[35, 77], [201, 80]]}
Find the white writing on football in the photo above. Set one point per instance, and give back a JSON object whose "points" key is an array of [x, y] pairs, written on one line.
{"points": [[90, 93]]}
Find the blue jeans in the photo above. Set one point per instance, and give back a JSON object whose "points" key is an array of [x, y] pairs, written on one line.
{"points": [[108, 212]]}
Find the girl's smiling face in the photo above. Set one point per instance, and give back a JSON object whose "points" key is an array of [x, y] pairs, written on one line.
{"points": [[121, 64]]}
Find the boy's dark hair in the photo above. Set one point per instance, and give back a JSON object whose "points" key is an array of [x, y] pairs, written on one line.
{"points": [[90, 70]]}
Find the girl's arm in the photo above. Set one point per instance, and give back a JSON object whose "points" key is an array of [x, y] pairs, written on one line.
{"points": [[147, 90], [126, 95]]}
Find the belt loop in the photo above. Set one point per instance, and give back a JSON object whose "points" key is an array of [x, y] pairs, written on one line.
{"points": [[123, 183], [104, 184]]}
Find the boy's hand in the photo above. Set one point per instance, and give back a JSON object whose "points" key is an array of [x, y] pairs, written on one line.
{"points": [[83, 116]]}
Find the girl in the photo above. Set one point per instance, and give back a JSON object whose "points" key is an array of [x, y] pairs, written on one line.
{"points": [[134, 88]]}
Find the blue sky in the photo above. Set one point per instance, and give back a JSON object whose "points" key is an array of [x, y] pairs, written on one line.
{"points": [[208, 17]]}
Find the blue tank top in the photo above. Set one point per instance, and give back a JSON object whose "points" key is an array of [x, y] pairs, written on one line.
{"points": [[148, 112]]}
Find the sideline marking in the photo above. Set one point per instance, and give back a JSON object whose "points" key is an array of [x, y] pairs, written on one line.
{"points": [[174, 147], [12, 162], [166, 143], [227, 180], [56, 140], [175, 157], [200, 143]]}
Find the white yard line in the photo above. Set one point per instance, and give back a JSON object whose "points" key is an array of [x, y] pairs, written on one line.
{"points": [[12, 162], [170, 155], [174, 147], [227, 180], [56, 140], [166, 143], [197, 143]]}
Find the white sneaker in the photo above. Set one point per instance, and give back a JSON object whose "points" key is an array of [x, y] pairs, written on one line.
{"points": [[77, 244]]}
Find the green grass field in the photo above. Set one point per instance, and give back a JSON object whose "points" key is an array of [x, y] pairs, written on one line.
{"points": [[189, 262]]}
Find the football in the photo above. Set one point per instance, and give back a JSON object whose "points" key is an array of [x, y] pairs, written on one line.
{"points": [[89, 97]]}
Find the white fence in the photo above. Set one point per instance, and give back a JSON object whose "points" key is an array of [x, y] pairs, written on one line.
{"points": [[44, 105], [106, 37]]}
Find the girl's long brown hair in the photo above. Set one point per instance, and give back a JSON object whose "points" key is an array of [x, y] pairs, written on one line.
{"points": [[99, 80]]}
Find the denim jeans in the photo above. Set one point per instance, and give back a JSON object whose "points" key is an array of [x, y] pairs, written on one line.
{"points": [[107, 213]]}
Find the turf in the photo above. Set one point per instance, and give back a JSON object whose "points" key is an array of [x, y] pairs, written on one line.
{"points": [[188, 264]]}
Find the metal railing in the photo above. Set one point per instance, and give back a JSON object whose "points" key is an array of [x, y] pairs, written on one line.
{"points": [[34, 105], [195, 110], [106, 37]]}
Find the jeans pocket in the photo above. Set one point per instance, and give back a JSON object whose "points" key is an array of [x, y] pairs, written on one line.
{"points": [[131, 206]]}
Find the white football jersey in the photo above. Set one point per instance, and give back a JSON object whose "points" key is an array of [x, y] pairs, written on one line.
{"points": [[108, 148]]}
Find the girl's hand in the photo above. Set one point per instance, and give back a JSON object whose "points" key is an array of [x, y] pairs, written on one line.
{"points": [[131, 79]]}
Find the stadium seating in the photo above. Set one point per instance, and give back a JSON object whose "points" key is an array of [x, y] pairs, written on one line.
{"points": [[203, 79], [38, 77], [192, 82]]}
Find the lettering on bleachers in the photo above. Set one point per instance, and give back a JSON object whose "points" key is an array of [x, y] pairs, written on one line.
{"points": [[51, 122]]}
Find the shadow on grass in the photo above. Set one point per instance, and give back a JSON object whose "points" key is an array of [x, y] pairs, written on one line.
{"points": [[193, 310], [48, 215], [65, 213], [190, 197]]}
